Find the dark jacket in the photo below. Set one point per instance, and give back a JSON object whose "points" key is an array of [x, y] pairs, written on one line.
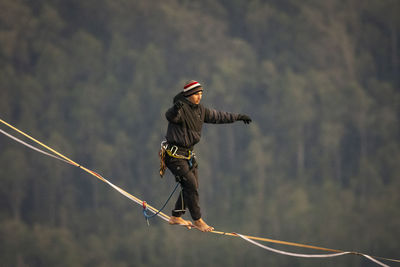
{"points": [[185, 124]]}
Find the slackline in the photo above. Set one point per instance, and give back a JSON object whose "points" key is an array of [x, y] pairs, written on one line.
{"points": [[251, 239]]}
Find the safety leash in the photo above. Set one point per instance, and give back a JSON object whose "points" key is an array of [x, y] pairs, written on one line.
{"points": [[145, 209], [159, 213]]}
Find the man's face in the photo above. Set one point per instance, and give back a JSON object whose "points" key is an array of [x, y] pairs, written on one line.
{"points": [[195, 99]]}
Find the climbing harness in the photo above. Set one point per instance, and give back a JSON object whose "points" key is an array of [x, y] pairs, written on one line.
{"points": [[172, 151], [159, 213]]}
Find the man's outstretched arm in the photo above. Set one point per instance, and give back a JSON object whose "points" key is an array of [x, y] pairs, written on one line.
{"points": [[215, 116]]}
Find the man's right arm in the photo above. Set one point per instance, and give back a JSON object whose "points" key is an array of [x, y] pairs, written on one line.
{"points": [[173, 114]]}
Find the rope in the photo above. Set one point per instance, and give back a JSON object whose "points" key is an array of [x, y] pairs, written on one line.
{"points": [[292, 254], [98, 176], [165, 217], [32, 147], [147, 217], [309, 255]]}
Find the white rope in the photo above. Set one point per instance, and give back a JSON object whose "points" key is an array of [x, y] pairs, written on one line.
{"points": [[32, 147], [165, 218], [124, 193], [375, 260], [121, 191], [307, 255], [292, 254]]}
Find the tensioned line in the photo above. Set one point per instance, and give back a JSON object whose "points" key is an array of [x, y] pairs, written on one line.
{"points": [[250, 239]]}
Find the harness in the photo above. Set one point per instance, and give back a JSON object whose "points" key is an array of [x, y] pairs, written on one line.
{"points": [[172, 151]]}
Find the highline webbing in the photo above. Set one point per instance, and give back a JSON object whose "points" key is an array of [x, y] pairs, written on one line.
{"points": [[250, 239]]}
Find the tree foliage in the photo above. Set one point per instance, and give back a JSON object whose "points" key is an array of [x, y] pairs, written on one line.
{"points": [[319, 163]]}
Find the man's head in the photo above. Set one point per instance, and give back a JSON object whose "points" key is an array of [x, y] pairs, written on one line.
{"points": [[193, 91]]}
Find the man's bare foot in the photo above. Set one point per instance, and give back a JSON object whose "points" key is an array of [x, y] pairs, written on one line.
{"points": [[180, 221], [202, 226]]}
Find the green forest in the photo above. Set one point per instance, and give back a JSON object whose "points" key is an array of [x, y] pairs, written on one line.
{"points": [[319, 164]]}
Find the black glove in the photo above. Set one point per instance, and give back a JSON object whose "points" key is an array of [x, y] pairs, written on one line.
{"points": [[178, 105], [246, 119]]}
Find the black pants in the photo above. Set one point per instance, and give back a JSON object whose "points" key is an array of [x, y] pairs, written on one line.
{"points": [[188, 178]]}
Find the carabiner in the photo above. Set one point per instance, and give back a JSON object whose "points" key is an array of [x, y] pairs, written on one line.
{"points": [[174, 149]]}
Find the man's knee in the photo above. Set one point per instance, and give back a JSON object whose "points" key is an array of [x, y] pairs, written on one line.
{"points": [[190, 185]]}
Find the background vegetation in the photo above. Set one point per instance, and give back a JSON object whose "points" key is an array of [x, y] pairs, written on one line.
{"points": [[319, 164]]}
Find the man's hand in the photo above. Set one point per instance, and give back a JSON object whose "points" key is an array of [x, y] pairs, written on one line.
{"points": [[246, 119], [178, 105]]}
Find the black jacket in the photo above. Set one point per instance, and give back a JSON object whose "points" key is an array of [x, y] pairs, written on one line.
{"points": [[185, 124]]}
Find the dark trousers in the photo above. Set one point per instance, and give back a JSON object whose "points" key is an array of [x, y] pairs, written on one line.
{"points": [[188, 178]]}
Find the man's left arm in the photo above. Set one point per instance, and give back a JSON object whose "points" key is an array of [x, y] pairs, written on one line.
{"points": [[219, 117]]}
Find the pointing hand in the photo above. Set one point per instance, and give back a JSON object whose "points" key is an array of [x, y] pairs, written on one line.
{"points": [[246, 119]]}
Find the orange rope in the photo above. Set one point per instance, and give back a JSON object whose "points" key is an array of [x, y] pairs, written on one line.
{"points": [[166, 217]]}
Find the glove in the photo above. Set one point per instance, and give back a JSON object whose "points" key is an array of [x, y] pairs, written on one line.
{"points": [[246, 119], [178, 105]]}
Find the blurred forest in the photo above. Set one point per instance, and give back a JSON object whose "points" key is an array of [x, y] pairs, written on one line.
{"points": [[320, 163]]}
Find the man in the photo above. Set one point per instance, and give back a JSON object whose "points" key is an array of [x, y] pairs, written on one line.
{"points": [[186, 118]]}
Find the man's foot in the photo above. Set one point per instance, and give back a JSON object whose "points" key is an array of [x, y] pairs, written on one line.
{"points": [[180, 221], [202, 226]]}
